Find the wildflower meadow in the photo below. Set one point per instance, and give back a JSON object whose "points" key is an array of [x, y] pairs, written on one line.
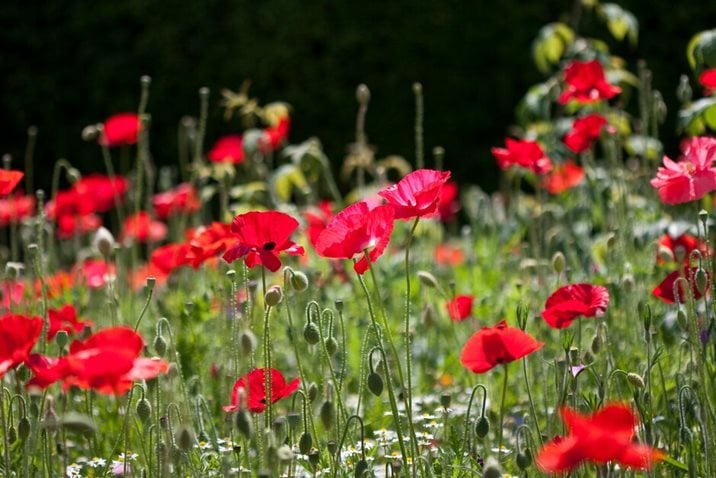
{"points": [[258, 309]]}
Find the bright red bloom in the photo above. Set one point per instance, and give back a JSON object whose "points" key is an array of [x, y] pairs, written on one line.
{"points": [[16, 208], [101, 191], [9, 179], [607, 435], [586, 83], [585, 131], [524, 154], [708, 80], [492, 346], [317, 219], [71, 225], [692, 177], [417, 194], [254, 386], [95, 272], [108, 362], [355, 230], [261, 236], [13, 292], [563, 177], [275, 135], [575, 300], [229, 149], [183, 199], [169, 257], [665, 290], [209, 242], [142, 228], [678, 249], [460, 307], [18, 334], [65, 319], [448, 204], [120, 129]]}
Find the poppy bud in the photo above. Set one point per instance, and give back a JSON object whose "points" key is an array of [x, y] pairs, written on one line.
{"points": [[482, 427], [311, 333], [362, 94], [701, 280], [331, 346], [305, 443], [90, 133], [144, 410], [361, 468], [11, 434], [558, 262], [492, 468], [523, 459], [247, 342], [681, 317], [73, 175], [428, 315], [635, 379], [23, 428], [339, 305], [445, 400], [332, 446], [312, 392], [427, 279], [327, 413], [104, 242], [299, 281], [597, 343], [243, 423], [293, 419], [185, 438], [61, 339], [273, 296], [375, 383], [160, 345]]}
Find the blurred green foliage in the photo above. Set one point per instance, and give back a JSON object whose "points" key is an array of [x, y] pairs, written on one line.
{"points": [[67, 64]]}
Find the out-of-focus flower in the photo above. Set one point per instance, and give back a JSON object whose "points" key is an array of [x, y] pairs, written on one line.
{"points": [[18, 335], [65, 318], [142, 228], [120, 129], [16, 208], [692, 177], [707, 79], [563, 177], [9, 180], [460, 307], [586, 83], [524, 154], [665, 290], [183, 199], [253, 386], [228, 149], [585, 131], [575, 300]]}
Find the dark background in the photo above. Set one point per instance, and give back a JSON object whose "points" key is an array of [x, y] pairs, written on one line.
{"points": [[67, 64]]}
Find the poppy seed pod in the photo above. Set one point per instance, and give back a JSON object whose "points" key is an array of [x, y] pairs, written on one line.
{"points": [[273, 296]]}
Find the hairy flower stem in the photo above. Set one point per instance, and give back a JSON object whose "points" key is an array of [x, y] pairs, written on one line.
{"points": [[502, 412], [267, 368], [6, 441], [529, 396], [391, 393], [336, 385]]}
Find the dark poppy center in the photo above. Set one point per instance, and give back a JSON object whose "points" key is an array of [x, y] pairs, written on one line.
{"points": [[269, 246]]}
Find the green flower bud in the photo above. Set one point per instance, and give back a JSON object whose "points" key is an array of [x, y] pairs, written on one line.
{"points": [[160, 345], [523, 459], [361, 468], [23, 428], [558, 262], [445, 400], [305, 443], [299, 281], [311, 333], [144, 410], [247, 342], [482, 427], [327, 414], [492, 468], [61, 339], [701, 280], [11, 434], [375, 383], [185, 438], [312, 392], [635, 380], [273, 296], [331, 346], [427, 279]]}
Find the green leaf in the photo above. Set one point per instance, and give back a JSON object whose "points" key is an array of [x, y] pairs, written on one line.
{"points": [[550, 44], [701, 50], [691, 119], [676, 464], [620, 22], [286, 179], [710, 117]]}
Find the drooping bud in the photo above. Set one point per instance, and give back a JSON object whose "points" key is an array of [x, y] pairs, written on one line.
{"points": [[331, 345], [104, 242], [305, 443], [427, 279], [327, 413], [299, 281], [635, 379], [160, 345], [247, 342], [311, 333], [144, 410], [273, 296], [558, 262], [185, 438], [375, 383], [482, 427], [312, 392]]}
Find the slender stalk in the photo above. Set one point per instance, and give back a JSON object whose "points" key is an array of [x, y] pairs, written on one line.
{"points": [[419, 116], [502, 412], [267, 368], [529, 396]]}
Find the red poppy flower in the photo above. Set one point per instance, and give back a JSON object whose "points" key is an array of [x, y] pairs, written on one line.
{"points": [[9, 179], [417, 194], [524, 154], [275, 135], [95, 272], [585, 131], [183, 199], [692, 177], [254, 386], [460, 307], [665, 290], [317, 219], [355, 230], [108, 362], [586, 83], [492, 346], [65, 319], [12, 293], [120, 129], [678, 249], [18, 335], [229, 149], [563, 177], [708, 80], [101, 192], [142, 228], [209, 242], [261, 236], [71, 225], [448, 204], [575, 300], [169, 257], [607, 435], [16, 208], [448, 255]]}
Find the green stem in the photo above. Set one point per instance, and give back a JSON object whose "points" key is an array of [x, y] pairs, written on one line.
{"points": [[502, 412], [267, 368], [532, 404], [408, 371]]}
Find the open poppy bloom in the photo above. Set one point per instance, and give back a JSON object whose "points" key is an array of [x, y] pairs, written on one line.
{"points": [[493, 346], [524, 154], [9, 180], [575, 300], [607, 435], [317, 219], [707, 79], [120, 129], [275, 135], [417, 194], [585, 131], [691, 178], [169, 257], [108, 361], [65, 319], [18, 335], [183, 199], [356, 230], [261, 236], [96, 272], [16, 208], [228, 149], [253, 386], [142, 228], [460, 307], [586, 83], [665, 290], [563, 177], [210, 241], [675, 249]]}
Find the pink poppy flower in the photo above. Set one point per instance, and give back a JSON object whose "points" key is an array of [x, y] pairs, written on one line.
{"points": [[417, 194], [692, 177]]}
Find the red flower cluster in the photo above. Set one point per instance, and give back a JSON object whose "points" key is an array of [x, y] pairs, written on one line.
{"points": [[9, 180], [141, 227], [18, 335], [563, 177], [65, 318], [585, 131], [108, 362], [575, 300], [253, 388], [692, 177], [492, 346], [209, 242], [120, 129], [524, 154], [585, 83], [16, 208], [607, 435], [183, 199]]}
